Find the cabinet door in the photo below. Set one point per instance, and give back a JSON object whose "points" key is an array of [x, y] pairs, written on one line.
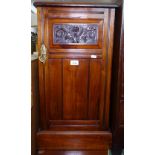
{"points": [[75, 79], [72, 93]]}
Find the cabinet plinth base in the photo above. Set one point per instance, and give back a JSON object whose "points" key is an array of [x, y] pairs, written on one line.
{"points": [[74, 140], [47, 152]]}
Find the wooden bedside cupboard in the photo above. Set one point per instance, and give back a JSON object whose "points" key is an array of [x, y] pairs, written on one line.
{"points": [[75, 42]]}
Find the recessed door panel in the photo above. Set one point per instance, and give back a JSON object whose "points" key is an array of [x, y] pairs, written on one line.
{"points": [[75, 89], [73, 92]]}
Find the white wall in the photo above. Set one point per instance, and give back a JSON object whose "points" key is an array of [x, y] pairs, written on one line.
{"points": [[33, 14], [33, 19]]}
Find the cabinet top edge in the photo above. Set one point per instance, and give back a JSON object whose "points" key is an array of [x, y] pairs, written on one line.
{"points": [[78, 3]]}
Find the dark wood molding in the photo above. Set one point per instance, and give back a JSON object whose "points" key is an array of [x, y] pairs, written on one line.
{"points": [[48, 152], [34, 104], [78, 3], [73, 140], [117, 95]]}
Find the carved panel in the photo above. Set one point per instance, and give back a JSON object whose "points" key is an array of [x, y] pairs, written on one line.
{"points": [[75, 33]]}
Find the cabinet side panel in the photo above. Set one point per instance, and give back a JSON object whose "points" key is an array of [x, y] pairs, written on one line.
{"points": [[109, 55], [42, 121]]}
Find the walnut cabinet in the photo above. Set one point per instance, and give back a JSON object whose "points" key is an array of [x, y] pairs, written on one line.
{"points": [[75, 42]]}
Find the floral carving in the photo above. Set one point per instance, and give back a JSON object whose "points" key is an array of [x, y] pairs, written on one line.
{"points": [[75, 33]]}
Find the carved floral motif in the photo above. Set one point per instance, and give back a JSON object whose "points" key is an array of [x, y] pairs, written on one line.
{"points": [[75, 33]]}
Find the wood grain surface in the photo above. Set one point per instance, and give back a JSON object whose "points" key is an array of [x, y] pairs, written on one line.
{"points": [[75, 99]]}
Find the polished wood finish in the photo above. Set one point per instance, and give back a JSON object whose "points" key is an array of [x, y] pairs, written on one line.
{"points": [[94, 88], [79, 3], [84, 103], [52, 21], [34, 104], [43, 152], [66, 83], [73, 140], [42, 115], [75, 99], [117, 95], [54, 107], [108, 58], [75, 82]]}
